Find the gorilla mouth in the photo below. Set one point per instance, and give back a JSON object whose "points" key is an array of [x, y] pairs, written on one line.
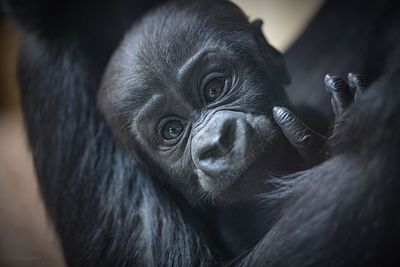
{"points": [[215, 185], [245, 181]]}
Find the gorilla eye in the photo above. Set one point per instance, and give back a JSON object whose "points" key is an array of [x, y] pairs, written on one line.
{"points": [[172, 129], [214, 89]]}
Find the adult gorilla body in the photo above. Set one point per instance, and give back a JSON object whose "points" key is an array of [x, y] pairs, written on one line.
{"points": [[109, 211]]}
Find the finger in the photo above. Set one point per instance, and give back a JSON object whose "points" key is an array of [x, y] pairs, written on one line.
{"points": [[340, 94], [359, 83], [307, 142]]}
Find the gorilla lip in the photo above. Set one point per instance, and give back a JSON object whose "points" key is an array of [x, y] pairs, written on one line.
{"points": [[213, 187]]}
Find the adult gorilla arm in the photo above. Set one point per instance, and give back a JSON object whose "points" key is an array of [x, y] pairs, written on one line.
{"points": [[343, 212], [106, 210], [345, 35]]}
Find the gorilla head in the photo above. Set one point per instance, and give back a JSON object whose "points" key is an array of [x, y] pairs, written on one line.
{"points": [[190, 91]]}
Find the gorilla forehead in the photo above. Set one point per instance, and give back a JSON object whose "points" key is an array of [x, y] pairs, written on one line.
{"points": [[170, 33], [163, 40], [156, 49]]}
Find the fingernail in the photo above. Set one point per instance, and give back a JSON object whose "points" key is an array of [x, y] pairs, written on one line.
{"points": [[276, 109], [280, 114], [328, 82], [328, 76]]}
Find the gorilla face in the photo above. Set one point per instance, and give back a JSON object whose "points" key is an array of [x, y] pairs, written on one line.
{"points": [[191, 94]]}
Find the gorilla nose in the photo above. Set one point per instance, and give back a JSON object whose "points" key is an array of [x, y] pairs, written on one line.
{"points": [[220, 146], [218, 142]]}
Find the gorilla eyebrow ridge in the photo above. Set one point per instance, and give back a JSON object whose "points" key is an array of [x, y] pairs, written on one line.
{"points": [[152, 104], [189, 64]]}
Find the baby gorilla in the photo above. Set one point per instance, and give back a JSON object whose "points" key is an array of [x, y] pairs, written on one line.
{"points": [[190, 92], [193, 95]]}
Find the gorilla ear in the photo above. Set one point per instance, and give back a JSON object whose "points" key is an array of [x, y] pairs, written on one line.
{"points": [[270, 54]]}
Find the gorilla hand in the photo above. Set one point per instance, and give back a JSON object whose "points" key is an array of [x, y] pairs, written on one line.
{"points": [[309, 143]]}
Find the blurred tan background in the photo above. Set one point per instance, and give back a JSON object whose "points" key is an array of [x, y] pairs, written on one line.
{"points": [[26, 236]]}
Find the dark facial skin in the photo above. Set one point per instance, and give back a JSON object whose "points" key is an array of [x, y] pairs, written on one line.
{"points": [[198, 107]]}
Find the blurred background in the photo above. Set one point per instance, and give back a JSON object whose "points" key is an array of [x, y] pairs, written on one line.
{"points": [[26, 235]]}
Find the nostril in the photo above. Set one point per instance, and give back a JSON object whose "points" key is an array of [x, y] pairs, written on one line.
{"points": [[227, 134], [209, 153]]}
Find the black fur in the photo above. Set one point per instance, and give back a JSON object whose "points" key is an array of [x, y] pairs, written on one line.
{"points": [[344, 36], [343, 212], [110, 212], [107, 211]]}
